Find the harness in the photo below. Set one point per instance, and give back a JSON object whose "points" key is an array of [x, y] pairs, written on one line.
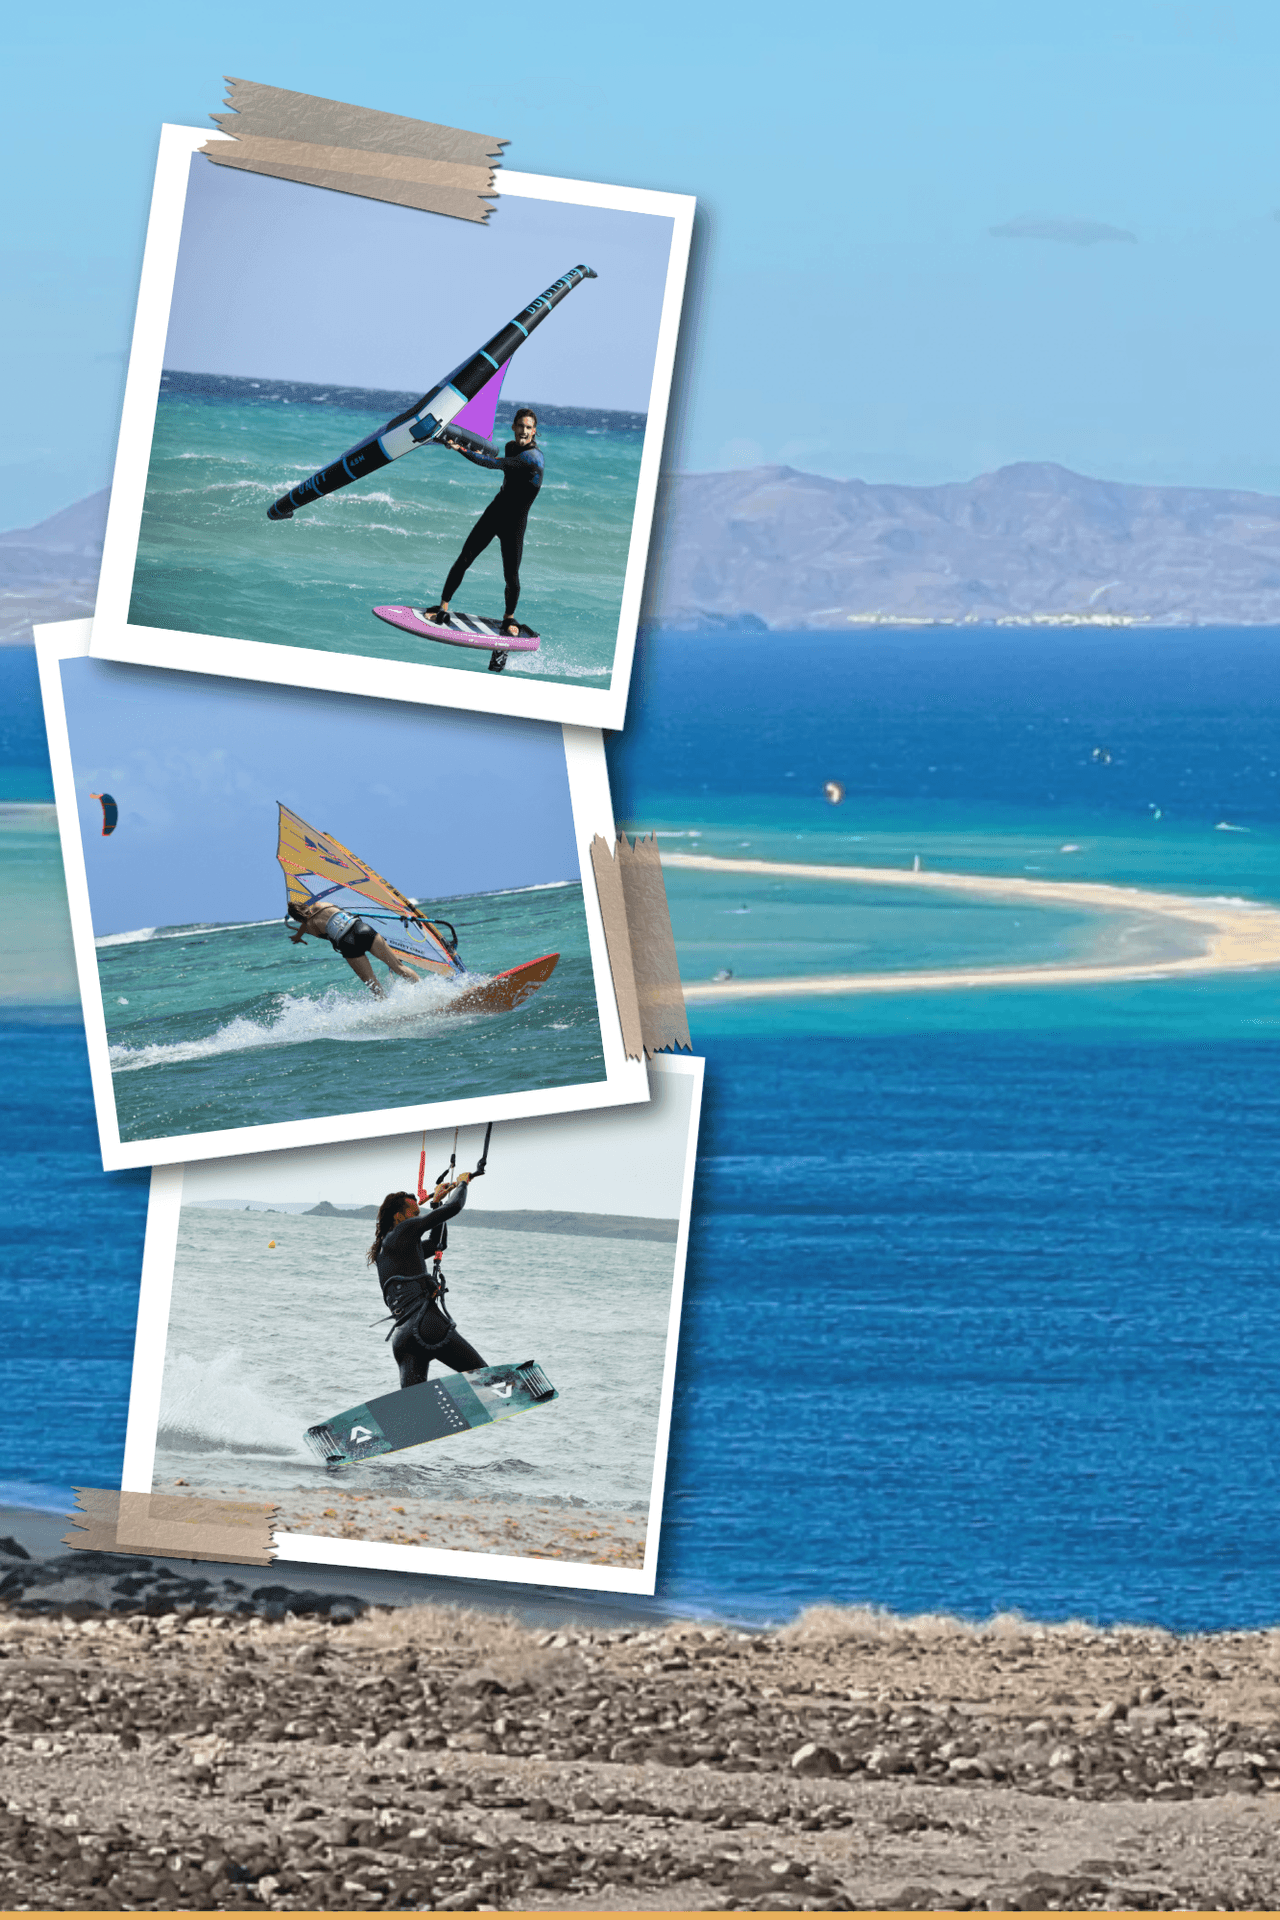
{"points": [[433, 1289]]}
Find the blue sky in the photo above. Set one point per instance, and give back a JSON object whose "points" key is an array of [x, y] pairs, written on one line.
{"points": [[854, 312], [294, 283], [440, 803]]}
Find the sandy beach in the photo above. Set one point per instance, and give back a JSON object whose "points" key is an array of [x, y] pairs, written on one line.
{"points": [[585, 1534], [181, 1751], [1237, 936]]}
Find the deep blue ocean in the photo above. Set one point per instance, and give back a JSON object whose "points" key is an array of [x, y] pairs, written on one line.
{"points": [[982, 1308]]}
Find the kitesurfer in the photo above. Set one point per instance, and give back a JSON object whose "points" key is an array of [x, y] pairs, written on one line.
{"points": [[353, 938], [505, 516], [404, 1241]]}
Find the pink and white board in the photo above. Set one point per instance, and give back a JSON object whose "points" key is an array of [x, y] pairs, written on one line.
{"points": [[463, 630]]}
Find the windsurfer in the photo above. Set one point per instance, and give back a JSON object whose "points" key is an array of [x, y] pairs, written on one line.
{"points": [[353, 938], [504, 518], [403, 1242]]}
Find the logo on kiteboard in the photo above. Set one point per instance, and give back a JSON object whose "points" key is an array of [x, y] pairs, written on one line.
{"points": [[360, 1433]]}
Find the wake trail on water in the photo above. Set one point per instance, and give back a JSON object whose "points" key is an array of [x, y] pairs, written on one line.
{"points": [[407, 1012], [215, 1407]]}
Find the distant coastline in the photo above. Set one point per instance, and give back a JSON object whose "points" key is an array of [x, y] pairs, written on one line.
{"points": [[596, 1226]]}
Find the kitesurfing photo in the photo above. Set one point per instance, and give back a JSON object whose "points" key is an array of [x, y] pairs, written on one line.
{"points": [[314, 914], [449, 1351], [305, 499]]}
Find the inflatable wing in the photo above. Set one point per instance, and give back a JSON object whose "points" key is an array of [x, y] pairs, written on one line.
{"points": [[468, 397]]}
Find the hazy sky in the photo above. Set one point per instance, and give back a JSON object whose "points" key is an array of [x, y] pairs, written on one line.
{"points": [[296, 283], [904, 269], [438, 802], [625, 1160]]}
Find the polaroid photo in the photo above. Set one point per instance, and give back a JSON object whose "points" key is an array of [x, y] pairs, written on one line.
{"points": [[501, 1414], [292, 343], [300, 916]]}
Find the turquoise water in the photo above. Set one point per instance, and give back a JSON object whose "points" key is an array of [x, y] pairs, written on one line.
{"points": [[37, 963], [209, 560], [233, 1026]]}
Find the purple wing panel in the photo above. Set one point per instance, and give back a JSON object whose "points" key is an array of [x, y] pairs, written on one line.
{"points": [[477, 415]]}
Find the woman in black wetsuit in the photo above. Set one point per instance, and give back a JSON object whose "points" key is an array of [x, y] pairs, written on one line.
{"points": [[404, 1242], [504, 518]]}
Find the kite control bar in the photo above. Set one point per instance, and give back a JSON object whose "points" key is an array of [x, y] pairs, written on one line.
{"points": [[448, 1173]]}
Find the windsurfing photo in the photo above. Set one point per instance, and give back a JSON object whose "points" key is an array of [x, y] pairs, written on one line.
{"points": [[386, 451], [318, 917], [503, 1414]]}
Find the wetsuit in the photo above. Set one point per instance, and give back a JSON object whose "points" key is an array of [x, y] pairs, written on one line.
{"points": [[423, 1331], [503, 519], [349, 936]]}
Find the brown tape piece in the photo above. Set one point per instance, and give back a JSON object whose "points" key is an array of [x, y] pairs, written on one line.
{"points": [[617, 938], [642, 947], [382, 156], [175, 1525]]}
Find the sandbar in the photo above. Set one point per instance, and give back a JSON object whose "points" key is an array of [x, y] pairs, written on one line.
{"points": [[1239, 936]]}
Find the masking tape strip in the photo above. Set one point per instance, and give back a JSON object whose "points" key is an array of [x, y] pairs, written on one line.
{"points": [[642, 948], [174, 1525], [617, 938], [326, 143]]}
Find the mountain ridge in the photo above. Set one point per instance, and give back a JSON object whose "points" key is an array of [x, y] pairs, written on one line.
{"points": [[775, 547]]}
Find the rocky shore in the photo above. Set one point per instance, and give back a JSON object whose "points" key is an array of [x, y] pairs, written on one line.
{"points": [[178, 1749]]}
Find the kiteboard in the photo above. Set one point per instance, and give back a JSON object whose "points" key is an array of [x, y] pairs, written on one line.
{"points": [[463, 630], [504, 990], [415, 1415]]}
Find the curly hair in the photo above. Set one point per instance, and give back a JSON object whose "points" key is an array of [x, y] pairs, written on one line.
{"points": [[386, 1220]]}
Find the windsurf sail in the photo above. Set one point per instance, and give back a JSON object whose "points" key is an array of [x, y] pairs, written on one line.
{"points": [[319, 868], [467, 396], [110, 812]]}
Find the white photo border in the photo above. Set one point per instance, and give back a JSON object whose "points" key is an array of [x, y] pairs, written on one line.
{"points": [[164, 1215], [114, 638], [624, 1081]]}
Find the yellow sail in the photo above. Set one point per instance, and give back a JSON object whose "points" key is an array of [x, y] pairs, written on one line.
{"points": [[318, 867]]}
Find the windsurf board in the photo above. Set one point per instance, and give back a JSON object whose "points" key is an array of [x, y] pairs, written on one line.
{"points": [[413, 1416], [504, 990]]}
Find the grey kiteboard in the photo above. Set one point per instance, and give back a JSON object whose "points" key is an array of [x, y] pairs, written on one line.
{"points": [[432, 1411]]}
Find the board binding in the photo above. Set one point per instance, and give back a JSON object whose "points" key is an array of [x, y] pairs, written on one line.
{"points": [[415, 1416]]}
